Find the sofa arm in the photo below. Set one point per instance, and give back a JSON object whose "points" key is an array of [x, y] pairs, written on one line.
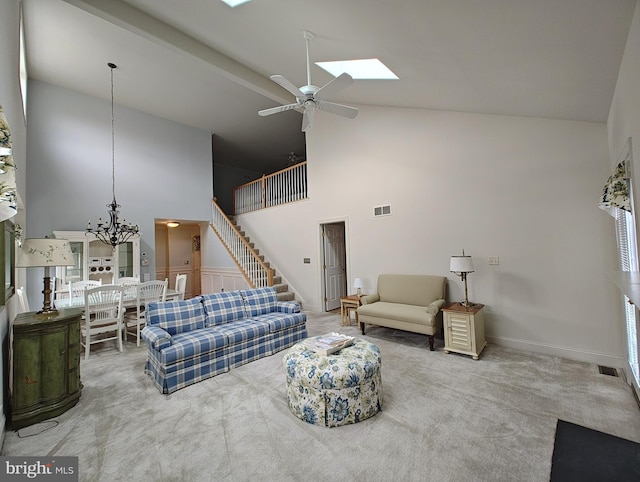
{"points": [[287, 307], [435, 306], [367, 299], [156, 337]]}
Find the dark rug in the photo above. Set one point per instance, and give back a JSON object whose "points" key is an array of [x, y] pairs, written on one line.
{"points": [[583, 454]]}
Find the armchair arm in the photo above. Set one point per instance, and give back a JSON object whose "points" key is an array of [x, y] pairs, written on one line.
{"points": [[155, 337], [367, 299], [435, 306], [287, 307]]}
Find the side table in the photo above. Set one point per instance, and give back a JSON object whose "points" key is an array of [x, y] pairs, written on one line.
{"points": [[45, 366], [348, 303], [464, 329]]}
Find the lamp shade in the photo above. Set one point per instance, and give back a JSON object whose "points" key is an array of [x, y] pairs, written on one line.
{"points": [[461, 264], [358, 283], [44, 252]]}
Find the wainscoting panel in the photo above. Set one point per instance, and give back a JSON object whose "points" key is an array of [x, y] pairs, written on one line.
{"points": [[171, 272], [215, 280]]}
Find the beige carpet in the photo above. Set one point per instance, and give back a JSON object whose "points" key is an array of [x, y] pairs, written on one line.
{"points": [[444, 418]]}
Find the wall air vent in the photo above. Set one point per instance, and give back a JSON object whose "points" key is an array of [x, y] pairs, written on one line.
{"points": [[382, 210]]}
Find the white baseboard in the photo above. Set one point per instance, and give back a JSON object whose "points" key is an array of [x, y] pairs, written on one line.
{"points": [[560, 351]]}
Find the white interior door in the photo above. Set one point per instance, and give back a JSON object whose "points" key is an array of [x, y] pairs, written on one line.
{"points": [[334, 266]]}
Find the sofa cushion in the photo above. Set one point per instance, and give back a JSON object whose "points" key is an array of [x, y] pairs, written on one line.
{"points": [[243, 330], [260, 301], [176, 316], [191, 344], [411, 289], [223, 307], [282, 321], [397, 311]]}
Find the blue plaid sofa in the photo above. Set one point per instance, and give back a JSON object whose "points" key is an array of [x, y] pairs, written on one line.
{"points": [[192, 340]]}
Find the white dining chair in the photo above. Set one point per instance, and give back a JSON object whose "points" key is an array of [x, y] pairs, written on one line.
{"points": [[128, 284], [146, 293], [22, 299], [102, 316], [77, 288], [181, 285]]}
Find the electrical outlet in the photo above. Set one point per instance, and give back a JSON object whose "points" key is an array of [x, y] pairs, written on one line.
{"points": [[494, 260]]}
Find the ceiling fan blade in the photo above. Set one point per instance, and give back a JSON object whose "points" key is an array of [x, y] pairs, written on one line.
{"points": [[337, 84], [307, 118], [280, 108], [287, 84], [339, 109]]}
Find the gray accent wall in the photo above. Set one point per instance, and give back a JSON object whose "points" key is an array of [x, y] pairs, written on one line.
{"points": [[163, 169]]}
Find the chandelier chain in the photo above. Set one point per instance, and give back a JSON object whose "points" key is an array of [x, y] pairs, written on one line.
{"points": [[113, 232]]}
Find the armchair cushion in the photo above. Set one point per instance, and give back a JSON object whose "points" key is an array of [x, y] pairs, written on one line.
{"points": [[176, 317]]}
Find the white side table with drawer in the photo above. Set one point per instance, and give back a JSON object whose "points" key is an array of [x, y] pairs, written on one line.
{"points": [[464, 329]]}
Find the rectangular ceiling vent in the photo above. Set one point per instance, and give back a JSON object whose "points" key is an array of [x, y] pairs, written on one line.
{"points": [[382, 210]]}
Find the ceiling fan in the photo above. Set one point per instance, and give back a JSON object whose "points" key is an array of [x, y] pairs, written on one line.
{"points": [[310, 97]]}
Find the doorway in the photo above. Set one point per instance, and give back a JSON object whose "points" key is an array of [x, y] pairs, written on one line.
{"points": [[334, 264], [178, 252]]}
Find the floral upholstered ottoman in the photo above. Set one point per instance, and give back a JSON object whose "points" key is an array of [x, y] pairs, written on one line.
{"points": [[337, 389]]}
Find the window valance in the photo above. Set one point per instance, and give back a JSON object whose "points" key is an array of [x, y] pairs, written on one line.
{"points": [[615, 194], [8, 207]]}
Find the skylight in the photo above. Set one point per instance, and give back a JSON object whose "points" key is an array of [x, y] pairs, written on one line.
{"points": [[358, 69], [235, 3]]}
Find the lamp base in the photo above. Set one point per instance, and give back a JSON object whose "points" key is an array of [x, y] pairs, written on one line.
{"points": [[45, 315], [468, 304]]}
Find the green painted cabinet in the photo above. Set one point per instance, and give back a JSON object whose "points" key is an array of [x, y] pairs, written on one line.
{"points": [[45, 366]]}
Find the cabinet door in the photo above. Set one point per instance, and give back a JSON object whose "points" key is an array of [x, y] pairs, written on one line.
{"points": [[26, 371], [459, 328], [73, 359], [129, 259], [54, 364]]}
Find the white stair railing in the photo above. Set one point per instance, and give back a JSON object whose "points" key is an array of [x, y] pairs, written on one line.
{"points": [[254, 269], [281, 187]]}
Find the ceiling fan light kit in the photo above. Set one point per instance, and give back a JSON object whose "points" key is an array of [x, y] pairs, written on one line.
{"points": [[310, 97]]}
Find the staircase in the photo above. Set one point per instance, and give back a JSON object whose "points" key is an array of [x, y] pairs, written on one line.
{"points": [[253, 265]]}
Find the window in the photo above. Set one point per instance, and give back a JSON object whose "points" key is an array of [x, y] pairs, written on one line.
{"points": [[7, 275]]}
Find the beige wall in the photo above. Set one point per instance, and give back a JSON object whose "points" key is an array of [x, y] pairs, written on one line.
{"points": [[522, 189]]}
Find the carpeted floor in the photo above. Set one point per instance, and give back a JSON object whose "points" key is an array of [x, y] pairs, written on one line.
{"points": [[444, 418]]}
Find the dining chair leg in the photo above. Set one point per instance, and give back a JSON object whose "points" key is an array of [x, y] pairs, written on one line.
{"points": [[87, 345], [120, 338]]}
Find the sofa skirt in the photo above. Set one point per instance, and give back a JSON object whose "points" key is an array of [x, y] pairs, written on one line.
{"points": [[171, 378]]}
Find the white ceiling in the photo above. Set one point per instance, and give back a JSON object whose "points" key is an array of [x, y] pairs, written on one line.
{"points": [[204, 64]]}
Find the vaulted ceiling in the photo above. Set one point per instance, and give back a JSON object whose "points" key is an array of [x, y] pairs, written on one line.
{"points": [[204, 64]]}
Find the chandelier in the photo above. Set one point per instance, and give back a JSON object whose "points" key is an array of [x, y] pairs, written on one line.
{"points": [[113, 232]]}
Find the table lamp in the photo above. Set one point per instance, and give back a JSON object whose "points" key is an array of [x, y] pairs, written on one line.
{"points": [[462, 266], [45, 252], [358, 284]]}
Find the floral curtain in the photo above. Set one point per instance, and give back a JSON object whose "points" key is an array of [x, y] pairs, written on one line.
{"points": [[615, 194], [8, 207]]}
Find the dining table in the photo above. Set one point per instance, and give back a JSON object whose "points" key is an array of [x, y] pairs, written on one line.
{"points": [[128, 300]]}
